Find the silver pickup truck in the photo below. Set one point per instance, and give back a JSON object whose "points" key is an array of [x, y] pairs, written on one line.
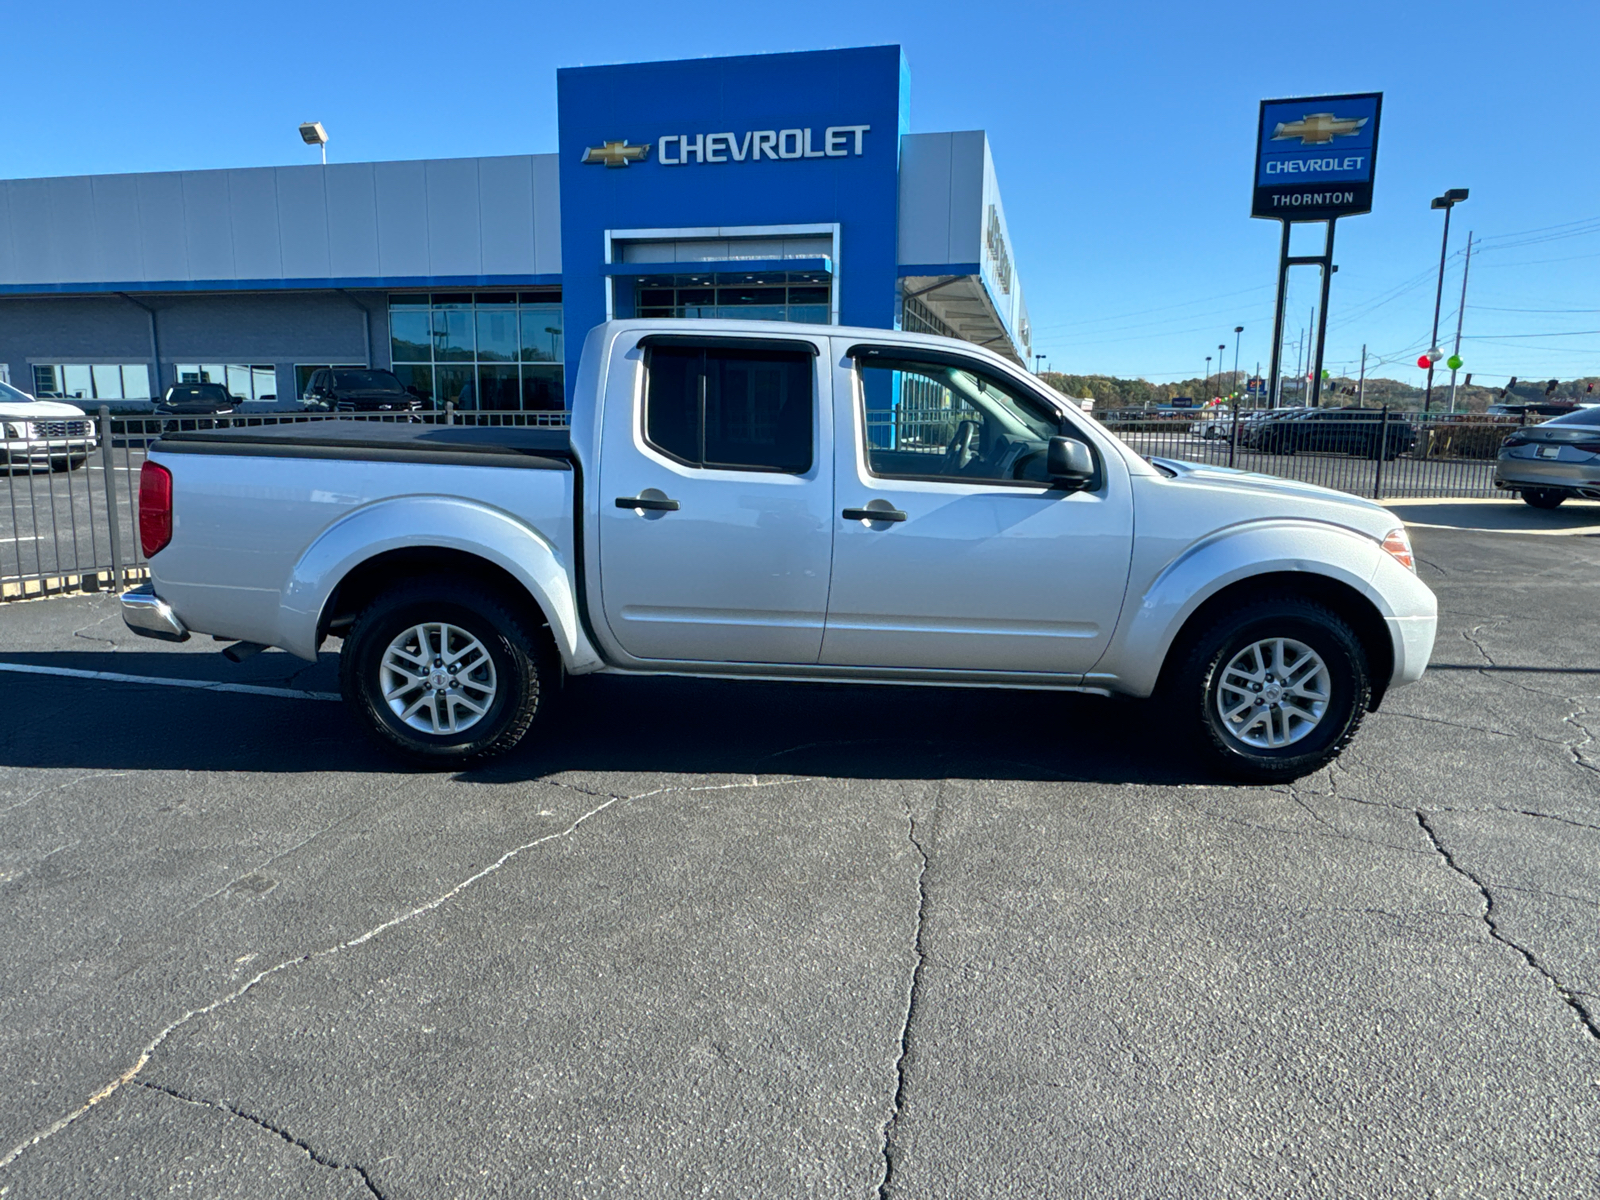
{"points": [[786, 502]]}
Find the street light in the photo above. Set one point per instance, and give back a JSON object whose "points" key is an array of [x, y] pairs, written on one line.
{"points": [[1447, 201], [1234, 391], [313, 134], [1206, 382], [1037, 359], [1220, 350]]}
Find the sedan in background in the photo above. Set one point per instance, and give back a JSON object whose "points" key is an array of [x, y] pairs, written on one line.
{"points": [[1364, 432], [45, 434], [1548, 463]]}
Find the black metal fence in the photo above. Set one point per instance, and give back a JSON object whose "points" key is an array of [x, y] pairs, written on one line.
{"points": [[69, 490], [1375, 452]]}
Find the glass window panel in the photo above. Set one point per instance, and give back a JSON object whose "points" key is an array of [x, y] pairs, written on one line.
{"points": [[550, 297], [751, 312], [411, 336], [542, 389], [452, 299], [541, 334], [494, 297], [497, 387], [44, 381], [672, 403], [452, 336], [810, 314], [697, 296], [808, 295], [264, 383], [497, 335], [418, 378], [237, 380], [136, 382], [758, 410], [750, 295], [456, 385], [77, 382], [107, 382]]}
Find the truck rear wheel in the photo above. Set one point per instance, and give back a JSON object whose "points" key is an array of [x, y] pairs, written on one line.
{"points": [[443, 672], [1273, 690]]}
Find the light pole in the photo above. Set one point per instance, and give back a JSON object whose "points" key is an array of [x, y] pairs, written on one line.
{"points": [[313, 134], [1220, 360], [1234, 390], [1206, 383], [1447, 201], [1037, 359]]}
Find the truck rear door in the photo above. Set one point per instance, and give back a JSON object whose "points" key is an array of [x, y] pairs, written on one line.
{"points": [[716, 497]]}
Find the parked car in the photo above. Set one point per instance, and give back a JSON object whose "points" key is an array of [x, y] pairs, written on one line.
{"points": [[42, 433], [360, 389], [702, 517], [1358, 431], [1546, 464], [196, 400]]}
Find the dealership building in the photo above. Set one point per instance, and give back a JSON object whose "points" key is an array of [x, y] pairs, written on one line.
{"points": [[783, 187]]}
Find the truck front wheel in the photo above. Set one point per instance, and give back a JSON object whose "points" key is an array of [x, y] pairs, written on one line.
{"points": [[443, 672], [1274, 689]]}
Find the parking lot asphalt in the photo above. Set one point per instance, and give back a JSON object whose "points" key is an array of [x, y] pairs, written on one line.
{"points": [[740, 939]]}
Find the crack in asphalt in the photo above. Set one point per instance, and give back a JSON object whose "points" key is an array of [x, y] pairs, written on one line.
{"points": [[311, 1152], [920, 958], [1568, 996], [150, 1047], [1576, 748], [61, 787]]}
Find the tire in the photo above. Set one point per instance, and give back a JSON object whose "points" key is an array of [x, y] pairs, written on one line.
{"points": [[1545, 498], [1208, 680], [509, 688]]}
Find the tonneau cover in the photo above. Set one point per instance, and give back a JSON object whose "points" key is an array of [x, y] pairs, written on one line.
{"points": [[488, 445]]}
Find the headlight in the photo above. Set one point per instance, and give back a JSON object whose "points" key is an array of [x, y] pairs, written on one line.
{"points": [[1398, 544], [18, 429]]}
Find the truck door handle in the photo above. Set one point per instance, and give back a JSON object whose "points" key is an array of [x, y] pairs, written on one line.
{"points": [[873, 514], [648, 503]]}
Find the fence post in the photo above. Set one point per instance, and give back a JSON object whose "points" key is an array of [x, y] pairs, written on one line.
{"points": [[1233, 434], [1383, 452], [113, 519], [449, 412]]}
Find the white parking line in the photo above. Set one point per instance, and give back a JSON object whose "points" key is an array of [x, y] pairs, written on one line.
{"points": [[248, 689]]}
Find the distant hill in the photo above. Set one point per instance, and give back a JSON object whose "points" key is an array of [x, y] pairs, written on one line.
{"points": [[1110, 391]]}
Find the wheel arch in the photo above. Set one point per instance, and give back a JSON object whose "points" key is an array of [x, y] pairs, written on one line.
{"points": [[384, 543], [1344, 601]]}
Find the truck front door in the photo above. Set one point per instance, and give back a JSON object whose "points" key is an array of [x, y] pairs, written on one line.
{"points": [[716, 498], [977, 564]]}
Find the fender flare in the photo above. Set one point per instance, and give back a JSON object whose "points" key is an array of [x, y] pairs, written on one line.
{"points": [[1145, 637], [430, 522]]}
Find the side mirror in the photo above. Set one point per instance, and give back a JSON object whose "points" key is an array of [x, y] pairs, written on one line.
{"points": [[1069, 464]]}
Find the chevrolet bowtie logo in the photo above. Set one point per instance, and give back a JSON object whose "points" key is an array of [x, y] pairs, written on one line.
{"points": [[616, 154], [1313, 129]]}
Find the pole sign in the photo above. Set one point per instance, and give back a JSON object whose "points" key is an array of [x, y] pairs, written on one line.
{"points": [[1315, 157]]}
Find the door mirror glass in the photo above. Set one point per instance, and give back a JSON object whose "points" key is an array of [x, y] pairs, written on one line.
{"points": [[1069, 463]]}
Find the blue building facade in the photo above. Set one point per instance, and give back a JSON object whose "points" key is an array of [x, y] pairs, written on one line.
{"points": [[784, 187]]}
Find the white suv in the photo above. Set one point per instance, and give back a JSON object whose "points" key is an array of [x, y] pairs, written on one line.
{"points": [[42, 433]]}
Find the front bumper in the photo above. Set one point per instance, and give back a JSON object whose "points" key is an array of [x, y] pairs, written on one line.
{"points": [[150, 616]]}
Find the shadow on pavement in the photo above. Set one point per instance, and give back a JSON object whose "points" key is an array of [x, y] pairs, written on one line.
{"points": [[597, 724], [1580, 517]]}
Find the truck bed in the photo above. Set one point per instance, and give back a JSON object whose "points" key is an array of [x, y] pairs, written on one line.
{"points": [[538, 448]]}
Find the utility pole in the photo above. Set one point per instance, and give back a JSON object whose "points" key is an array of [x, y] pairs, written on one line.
{"points": [[1461, 313], [1361, 385], [1305, 381]]}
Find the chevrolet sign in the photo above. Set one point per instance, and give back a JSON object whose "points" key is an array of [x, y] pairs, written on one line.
{"points": [[1315, 157]]}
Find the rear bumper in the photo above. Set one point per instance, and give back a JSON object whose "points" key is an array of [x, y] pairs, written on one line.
{"points": [[150, 616], [1516, 473]]}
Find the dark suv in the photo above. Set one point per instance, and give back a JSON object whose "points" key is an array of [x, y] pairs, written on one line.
{"points": [[196, 400], [358, 389], [1357, 431]]}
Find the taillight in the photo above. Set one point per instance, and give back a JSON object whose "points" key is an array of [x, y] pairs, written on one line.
{"points": [[1398, 544], [1516, 439], [1587, 447], [155, 507]]}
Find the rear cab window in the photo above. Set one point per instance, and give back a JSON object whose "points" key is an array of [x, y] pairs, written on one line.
{"points": [[728, 408]]}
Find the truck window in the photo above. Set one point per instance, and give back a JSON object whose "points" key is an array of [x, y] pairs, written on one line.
{"points": [[935, 420], [731, 409]]}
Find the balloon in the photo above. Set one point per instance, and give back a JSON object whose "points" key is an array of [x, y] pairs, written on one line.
{"points": [[1453, 362], [1424, 362]]}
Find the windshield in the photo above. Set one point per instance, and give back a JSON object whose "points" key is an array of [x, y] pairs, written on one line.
{"points": [[1584, 416], [366, 381], [197, 391], [10, 395]]}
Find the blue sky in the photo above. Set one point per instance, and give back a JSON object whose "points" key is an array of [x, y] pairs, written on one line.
{"points": [[1123, 136]]}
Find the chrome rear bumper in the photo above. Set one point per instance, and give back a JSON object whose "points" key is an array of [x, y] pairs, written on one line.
{"points": [[150, 616]]}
